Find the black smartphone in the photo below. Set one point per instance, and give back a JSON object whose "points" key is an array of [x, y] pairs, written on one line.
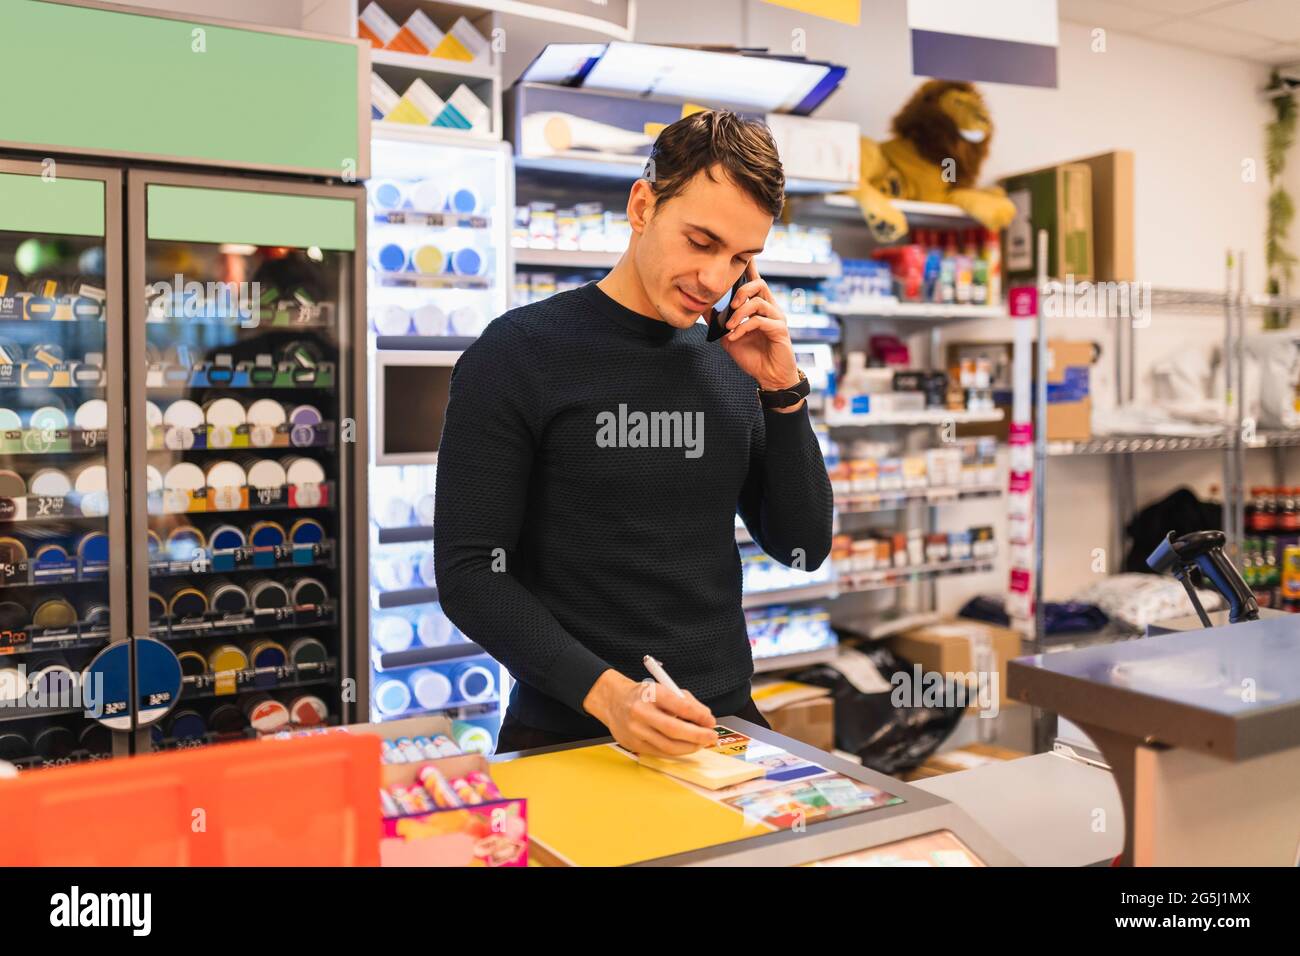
{"points": [[718, 320]]}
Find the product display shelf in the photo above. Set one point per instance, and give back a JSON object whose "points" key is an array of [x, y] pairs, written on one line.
{"points": [[322, 439], [162, 742], [406, 597], [281, 498], [1182, 301], [198, 378], [806, 592], [423, 343], [317, 555], [404, 535], [784, 662], [284, 320], [429, 135], [440, 66], [919, 311], [859, 581], [1274, 439], [929, 416], [457, 708], [546, 171], [862, 581], [417, 656], [325, 17], [24, 382], [9, 714], [417, 280], [260, 621], [436, 220], [596, 259], [283, 677], [57, 641], [43, 509], [81, 756], [843, 208], [1135, 444], [25, 574], [893, 500]]}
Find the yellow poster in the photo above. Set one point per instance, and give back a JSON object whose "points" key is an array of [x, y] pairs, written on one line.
{"points": [[843, 11]]}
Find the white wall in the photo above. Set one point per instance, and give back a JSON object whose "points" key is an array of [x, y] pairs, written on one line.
{"points": [[1191, 118]]}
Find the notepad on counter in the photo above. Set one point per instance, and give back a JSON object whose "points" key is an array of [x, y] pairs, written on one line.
{"points": [[704, 768]]}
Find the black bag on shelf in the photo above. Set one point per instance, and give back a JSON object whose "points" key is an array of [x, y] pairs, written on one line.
{"points": [[1181, 512], [888, 739]]}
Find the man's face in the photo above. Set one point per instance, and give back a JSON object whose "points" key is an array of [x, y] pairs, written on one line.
{"points": [[691, 249]]}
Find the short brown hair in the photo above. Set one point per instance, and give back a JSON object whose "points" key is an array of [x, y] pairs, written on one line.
{"points": [[743, 148]]}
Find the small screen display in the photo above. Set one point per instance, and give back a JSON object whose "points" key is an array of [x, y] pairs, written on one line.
{"points": [[940, 848], [415, 406]]}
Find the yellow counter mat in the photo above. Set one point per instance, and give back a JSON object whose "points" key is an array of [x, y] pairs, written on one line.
{"points": [[593, 806]]}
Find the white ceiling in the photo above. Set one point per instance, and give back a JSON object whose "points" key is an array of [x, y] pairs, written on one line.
{"points": [[1264, 31]]}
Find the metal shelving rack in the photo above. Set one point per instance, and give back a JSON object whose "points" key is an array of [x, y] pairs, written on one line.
{"points": [[929, 319], [1234, 304]]}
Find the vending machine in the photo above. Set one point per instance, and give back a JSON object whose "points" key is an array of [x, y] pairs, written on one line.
{"points": [[182, 382], [243, 409]]}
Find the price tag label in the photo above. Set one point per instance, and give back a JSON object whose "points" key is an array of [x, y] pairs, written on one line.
{"points": [[270, 497], [41, 506], [91, 438]]}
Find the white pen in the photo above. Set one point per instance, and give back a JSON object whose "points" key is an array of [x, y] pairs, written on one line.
{"points": [[658, 673]]}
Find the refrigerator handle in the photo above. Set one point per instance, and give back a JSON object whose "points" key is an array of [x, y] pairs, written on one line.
{"points": [[133, 405]]}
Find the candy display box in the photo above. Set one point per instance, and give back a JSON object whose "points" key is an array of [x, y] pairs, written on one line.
{"points": [[493, 833]]}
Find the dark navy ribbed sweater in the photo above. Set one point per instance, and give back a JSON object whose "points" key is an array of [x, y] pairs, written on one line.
{"points": [[577, 530]]}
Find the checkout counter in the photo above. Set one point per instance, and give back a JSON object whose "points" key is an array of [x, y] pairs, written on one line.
{"points": [[1201, 731], [1196, 762], [591, 804]]}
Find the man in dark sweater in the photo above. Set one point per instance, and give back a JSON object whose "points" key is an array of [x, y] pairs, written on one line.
{"points": [[597, 448]]}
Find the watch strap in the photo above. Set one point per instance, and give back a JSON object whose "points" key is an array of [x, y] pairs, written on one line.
{"points": [[785, 397]]}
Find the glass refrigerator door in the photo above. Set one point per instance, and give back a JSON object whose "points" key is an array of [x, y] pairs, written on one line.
{"points": [[439, 221], [244, 449], [61, 463]]}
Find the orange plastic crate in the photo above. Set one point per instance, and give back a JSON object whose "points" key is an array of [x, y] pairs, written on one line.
{"points": [[305, 801]]}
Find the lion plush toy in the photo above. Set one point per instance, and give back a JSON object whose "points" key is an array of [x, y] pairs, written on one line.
{"points": [[941, 138]]}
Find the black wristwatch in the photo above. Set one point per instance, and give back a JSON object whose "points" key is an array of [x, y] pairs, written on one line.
{"points": [[785, 397]]}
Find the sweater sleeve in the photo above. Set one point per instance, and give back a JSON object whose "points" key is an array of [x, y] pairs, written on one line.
{"points": [[786, 499], [493, 426]]}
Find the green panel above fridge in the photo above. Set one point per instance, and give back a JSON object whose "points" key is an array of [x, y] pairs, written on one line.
{"points": [[51, 204], [192, 214], [127, 84]]}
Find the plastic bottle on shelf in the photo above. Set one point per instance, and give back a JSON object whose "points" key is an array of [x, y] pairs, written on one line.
{"points": [[1268, 511], [930, 271], [965, 271], [1272, 576], [948, 272], [979, 290], [993, 260], [1289, 511], [855, 373]]}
